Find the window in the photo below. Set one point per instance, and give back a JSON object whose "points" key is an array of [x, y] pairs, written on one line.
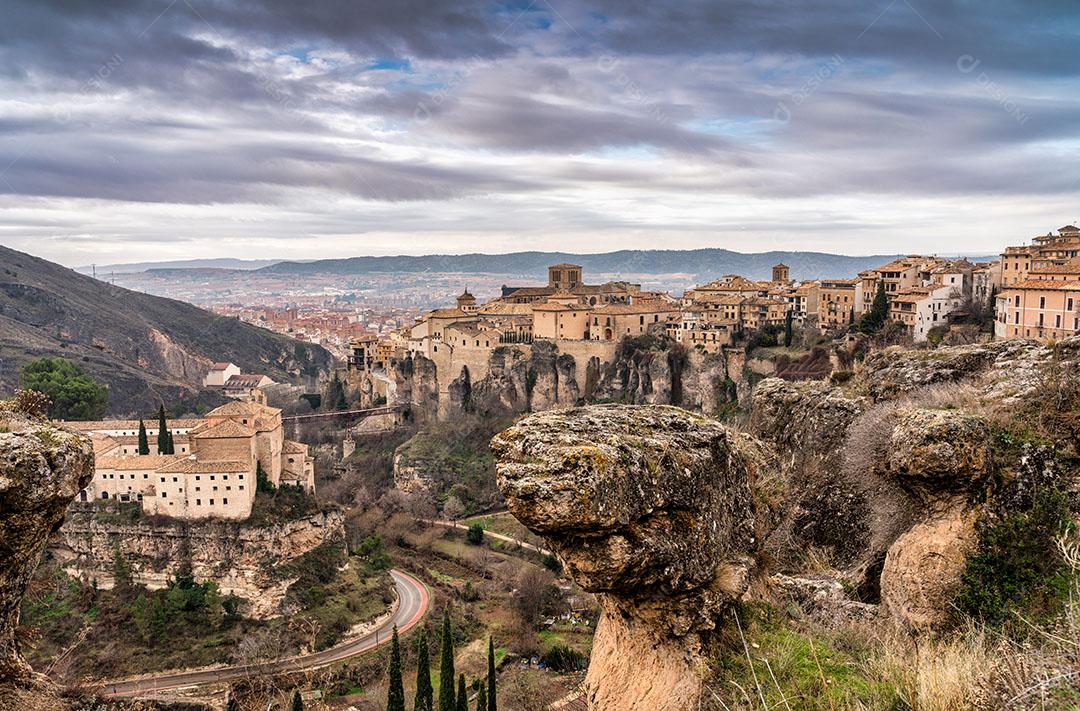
{"points": [[211, 502], [174, 480], [198, 502], [1042, 302], [241, 476], [198, 488], [241, 487], [211, 477], [224, 502], [162, 480], [163, 494]]}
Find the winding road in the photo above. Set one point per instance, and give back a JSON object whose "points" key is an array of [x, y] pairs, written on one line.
{"points": [[412, 605]]}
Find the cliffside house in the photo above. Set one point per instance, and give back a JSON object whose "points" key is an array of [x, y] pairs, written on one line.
{"points": [[213, 472]]}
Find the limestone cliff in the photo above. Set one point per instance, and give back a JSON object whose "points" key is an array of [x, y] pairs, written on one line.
{"points": [[241, 558], [887, 476], [650, 508], [42, 468]]}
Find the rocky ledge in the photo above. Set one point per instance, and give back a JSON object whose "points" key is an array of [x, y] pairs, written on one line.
{"points": [[650, 508], [42, 468]]}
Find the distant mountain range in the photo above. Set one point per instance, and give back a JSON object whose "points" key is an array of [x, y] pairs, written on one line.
{"points": [[703, 263], [147, 349], [103, 270]]}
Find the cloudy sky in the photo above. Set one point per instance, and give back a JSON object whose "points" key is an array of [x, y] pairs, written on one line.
{"points": [[169, 129]]}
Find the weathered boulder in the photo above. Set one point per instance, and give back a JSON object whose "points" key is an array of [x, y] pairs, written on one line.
{"points": [[939, 450], [807, 421], [923, 568], [42, 469], [823, 598], [650, 508]]}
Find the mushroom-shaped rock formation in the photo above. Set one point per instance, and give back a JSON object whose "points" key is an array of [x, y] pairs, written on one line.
{"points": [[42, 468], [649, 508]]}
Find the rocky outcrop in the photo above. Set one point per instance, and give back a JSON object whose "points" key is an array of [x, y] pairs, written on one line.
{"points": [[942, 457], [807, 422], [923, 568], [650, 508], [1011, 369], [241, 558], [42, 469]]}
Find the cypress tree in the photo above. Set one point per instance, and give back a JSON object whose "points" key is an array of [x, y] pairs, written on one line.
{"points": [[789, 332], [491, 676], [172, 447], [144, 443], [425, 697], [395, 694], [879, 311], [297, 702], [162, 433], [481, 699], [446, 668], [462, 694]]}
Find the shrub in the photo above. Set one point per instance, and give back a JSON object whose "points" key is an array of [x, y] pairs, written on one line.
{"points": [[74, 395], [475, 535], [561, 658], [1016, 564]]}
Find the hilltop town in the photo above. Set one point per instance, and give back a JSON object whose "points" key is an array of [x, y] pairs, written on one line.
{"points": [[1030, 292]]}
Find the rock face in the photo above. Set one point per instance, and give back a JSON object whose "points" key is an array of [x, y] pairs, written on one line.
{"points": [[650, 508], [240, 558], [42, 468]]}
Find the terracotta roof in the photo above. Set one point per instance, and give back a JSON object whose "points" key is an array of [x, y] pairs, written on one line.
{"points": [[532, 291], [92, 425], [565, 266], [190, 465], [104, 444], [134, 462], [239, 408], [220, 366], [244, 381], [647, 308], [498, 308], [1046, 285], [448, 313], [228, 429], [291, 447]]}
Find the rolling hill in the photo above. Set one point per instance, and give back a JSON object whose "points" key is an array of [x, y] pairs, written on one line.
{"points": [[707, 263], [146, 349]]}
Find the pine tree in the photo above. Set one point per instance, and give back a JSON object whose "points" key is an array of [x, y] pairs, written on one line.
{"points": [[491, 676], [395, 695], [298, 702], [144, 443], [462, 694], [481, 699], [162, 433], [446, 668], [425, 697]]}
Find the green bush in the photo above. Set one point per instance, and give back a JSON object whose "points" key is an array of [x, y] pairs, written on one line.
{"points": [[1016, 564], [74, 395], [562, 658], [475, 535]]}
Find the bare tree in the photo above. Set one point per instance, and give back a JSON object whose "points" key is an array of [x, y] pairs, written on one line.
{"points": [[536, 596]]}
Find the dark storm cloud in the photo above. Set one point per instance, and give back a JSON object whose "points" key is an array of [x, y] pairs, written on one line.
{"points": [[1036, 37], [579, 110]]}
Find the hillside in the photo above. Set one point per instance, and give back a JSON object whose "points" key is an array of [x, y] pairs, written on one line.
{"points": [[709, 263], [147, 349]]}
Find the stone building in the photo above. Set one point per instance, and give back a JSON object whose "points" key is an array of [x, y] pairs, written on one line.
{"points": [[1045, 306], [212, 474]]}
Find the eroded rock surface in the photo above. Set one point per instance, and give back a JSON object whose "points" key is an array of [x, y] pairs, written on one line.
{"points": [[650, 508], [42, 468]]}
